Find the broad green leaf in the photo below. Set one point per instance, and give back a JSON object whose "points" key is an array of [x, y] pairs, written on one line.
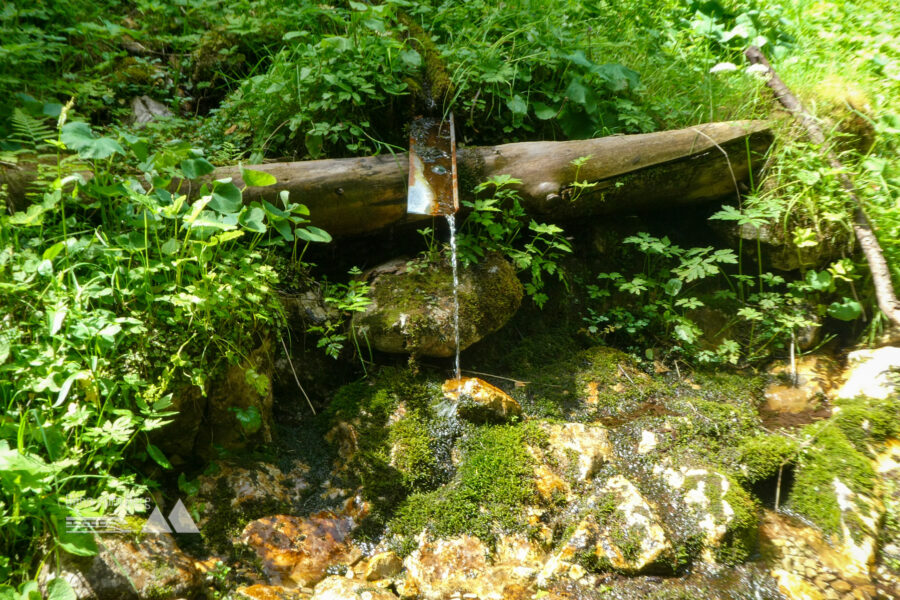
{"points": [[284, 228], [196, 167], [79, 544], [819, 280], [313, 234], [59, 589], [576, 92], [314, 143], [57, 317], [412, 58], [249, 418], [109, 332], [517, 105], [29, 218], [253, 220], [255, 178], [227, 236], [809, 177], [846, 310], [51, 252], [64, 390], [79, 137], [544, 112], [273, 211], [673, 286], [157, 455], [226, 198], [169, 247], [28, 591]]}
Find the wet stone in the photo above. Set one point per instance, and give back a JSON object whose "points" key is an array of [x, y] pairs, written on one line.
{"points": [[841, 586]]}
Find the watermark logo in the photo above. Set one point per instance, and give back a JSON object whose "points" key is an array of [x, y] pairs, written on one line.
{"points": [[180, 519]]}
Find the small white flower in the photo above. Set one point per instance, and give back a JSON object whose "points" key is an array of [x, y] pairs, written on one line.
{"points": [[723, 66], [757, 69]]}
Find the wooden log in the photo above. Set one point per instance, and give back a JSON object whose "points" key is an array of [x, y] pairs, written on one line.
{"points": [[631, 173]]}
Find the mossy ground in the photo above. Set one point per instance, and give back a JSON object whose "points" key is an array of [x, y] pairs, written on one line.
{"points": [[486, 497]]}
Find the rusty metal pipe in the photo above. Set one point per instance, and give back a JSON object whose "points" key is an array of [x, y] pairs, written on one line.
{"points": [[433, 188]]}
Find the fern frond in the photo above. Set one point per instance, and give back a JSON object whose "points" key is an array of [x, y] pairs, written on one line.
{"points": [[30, 132]]}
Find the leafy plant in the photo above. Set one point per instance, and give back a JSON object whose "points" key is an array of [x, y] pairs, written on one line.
{"points": [[670, 289], [87, 272], [497, 224], [346, 298]]}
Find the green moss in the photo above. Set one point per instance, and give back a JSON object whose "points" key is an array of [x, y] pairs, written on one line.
{"points": [[437, 84], [831, 456], [489, 294], [867, 421], [741, 388], [367, 406], [760, 456], [741, 538], [486, 498], [412, 453]]}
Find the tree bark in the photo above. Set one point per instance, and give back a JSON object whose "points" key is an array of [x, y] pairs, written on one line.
{"points": [[629, 173], [862, 227]]}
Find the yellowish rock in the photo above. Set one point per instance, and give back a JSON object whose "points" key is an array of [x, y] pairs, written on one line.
{"points": [[579, 448], [871, 373], [478, 400], [383, 565], [343, 588], [269, 592], [297, 551], [795, 587]]}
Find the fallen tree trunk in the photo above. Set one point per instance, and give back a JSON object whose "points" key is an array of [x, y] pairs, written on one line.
{"points": [[862, 227], [626, 173], [630, 172]]}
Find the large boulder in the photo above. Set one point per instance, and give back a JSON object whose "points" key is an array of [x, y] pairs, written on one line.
{"points": [[128, 567], [412, 305]]}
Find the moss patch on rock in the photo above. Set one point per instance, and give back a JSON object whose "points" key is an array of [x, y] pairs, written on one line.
{"points": [[830, 457], [487, 496], [412, 309], [759, 457]]}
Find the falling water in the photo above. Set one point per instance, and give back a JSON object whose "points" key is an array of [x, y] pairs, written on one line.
{"points": [[452, 222]]}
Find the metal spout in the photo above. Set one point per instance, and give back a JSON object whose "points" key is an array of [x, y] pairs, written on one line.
{"points": [[432, 167]]}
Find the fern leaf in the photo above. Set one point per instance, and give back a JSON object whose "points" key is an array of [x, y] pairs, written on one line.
{"points": [[30, 132]]}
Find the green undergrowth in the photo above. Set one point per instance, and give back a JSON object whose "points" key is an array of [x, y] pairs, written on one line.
{"points": [[118, 297]]}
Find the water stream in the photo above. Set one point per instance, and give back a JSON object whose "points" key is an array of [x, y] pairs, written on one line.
{"points": [[451, 221]]}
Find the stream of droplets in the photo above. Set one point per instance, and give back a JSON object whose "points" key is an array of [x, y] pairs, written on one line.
{"points": [[451, 221]]}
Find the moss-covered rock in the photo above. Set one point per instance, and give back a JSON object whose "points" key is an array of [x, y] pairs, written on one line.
{"points": [[489, 493], [412, 308]]}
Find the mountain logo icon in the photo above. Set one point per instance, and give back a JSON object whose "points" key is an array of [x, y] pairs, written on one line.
{"points": [[180, 519]]}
